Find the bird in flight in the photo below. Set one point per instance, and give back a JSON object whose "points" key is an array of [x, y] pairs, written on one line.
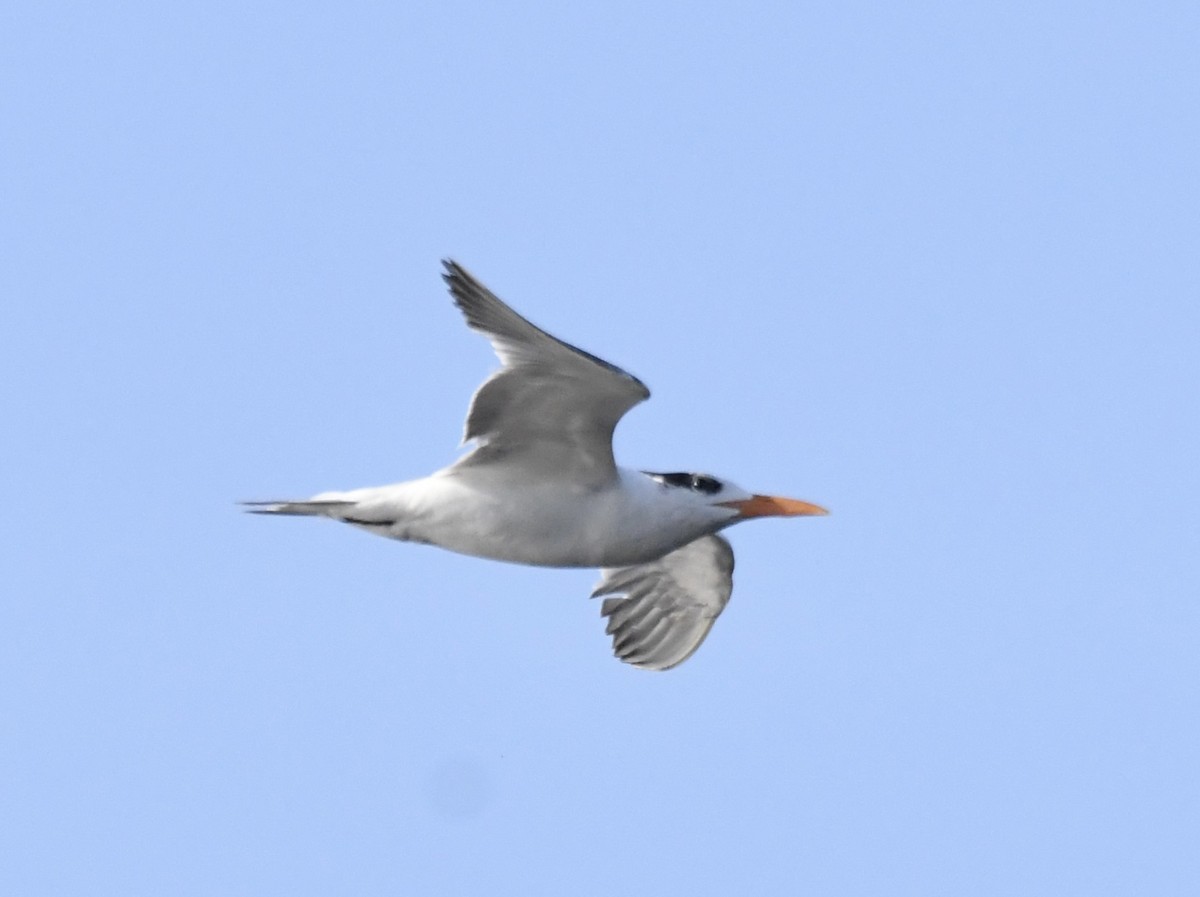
{"points": [[541, 487]]}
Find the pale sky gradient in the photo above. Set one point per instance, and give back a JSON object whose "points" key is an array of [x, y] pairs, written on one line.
{"points": [[933, 265]]}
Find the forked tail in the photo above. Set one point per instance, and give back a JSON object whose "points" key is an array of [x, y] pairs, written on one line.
{"points": [[335, 508]]}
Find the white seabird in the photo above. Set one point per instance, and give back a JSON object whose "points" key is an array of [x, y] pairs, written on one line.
{"points": [[541, 487]]}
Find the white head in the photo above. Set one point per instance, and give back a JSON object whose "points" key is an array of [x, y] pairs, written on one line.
{"points": [[720, 503]]}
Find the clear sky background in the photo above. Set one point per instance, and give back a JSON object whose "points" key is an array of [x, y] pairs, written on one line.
{"points": [[933, 265]]}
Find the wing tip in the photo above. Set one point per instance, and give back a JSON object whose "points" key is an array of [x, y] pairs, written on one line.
{"points": [[458, 279]]}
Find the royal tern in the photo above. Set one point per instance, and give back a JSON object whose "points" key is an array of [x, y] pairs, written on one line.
{"points": [[541, 487]]}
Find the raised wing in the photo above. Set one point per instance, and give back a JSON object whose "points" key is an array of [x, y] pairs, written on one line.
{"points": [[551, 404], [669, 605]]}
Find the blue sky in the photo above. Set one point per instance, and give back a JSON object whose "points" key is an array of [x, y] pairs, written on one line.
{"points": [[932, 265]]}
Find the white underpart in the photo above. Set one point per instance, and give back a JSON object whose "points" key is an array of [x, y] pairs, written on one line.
{"points": [[484, 512]]}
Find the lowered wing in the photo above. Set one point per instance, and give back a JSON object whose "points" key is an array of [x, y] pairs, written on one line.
{"points": [[668, 605]]}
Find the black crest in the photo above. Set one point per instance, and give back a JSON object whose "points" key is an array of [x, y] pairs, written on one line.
{"points": [[697, 482]]}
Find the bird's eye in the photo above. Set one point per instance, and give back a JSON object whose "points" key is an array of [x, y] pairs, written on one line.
{"points": [[706, 484]]}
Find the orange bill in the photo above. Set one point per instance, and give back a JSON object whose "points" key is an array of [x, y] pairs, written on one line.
{"points": [[772, 506]]}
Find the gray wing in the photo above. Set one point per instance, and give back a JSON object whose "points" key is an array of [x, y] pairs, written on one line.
{"points": [[669, 605], [551, 405]]}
